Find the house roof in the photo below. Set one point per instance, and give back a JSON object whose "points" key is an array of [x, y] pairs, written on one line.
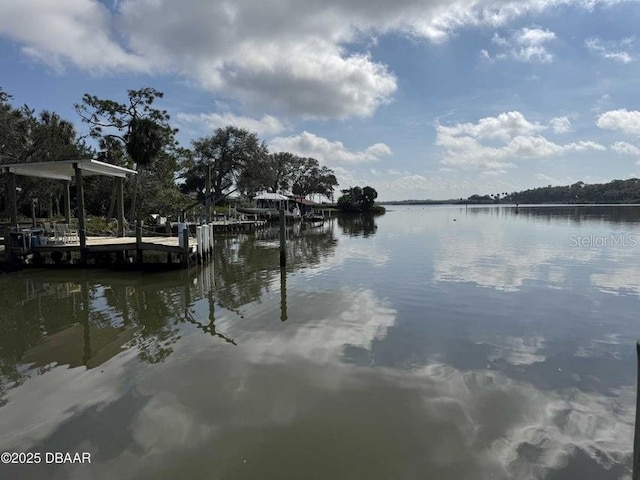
{"points": [[270, 196], [303, 201], [64, 169]]}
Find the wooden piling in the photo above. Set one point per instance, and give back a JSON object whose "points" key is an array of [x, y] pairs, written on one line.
{"points": [[82, 229], [283, 246], [138, 242], [67, 201], [34, 223], [208, 192], [13, 201], [120, 206], [283, 294], [185, 246]]}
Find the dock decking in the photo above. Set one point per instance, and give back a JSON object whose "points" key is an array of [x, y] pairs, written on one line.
{"points": [[194, 245], [109, 244]]}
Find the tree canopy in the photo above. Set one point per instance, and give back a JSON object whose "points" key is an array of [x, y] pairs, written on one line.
{"points": [[239, 161], [136, 133], [358, 199]]}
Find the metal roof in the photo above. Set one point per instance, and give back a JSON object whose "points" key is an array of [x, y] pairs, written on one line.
{"points": [[270, 196], [64, 169]]}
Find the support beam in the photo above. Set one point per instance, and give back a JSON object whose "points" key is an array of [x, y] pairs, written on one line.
{"points": [[208, 193], [34, 222], [82, 230], [67, 202], [13, 202], [283, 246], [120, 206]]}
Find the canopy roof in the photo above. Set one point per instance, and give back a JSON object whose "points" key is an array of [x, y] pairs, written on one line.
{"points": [[64, 169]]}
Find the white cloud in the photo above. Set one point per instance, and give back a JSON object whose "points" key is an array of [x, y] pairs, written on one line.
{"points": [[327, 152], [504, 126], [478, 145], [267, 125], [549, 180], [560, 124], [493, 173], [78, 32], [625, 148], [611, 50], [289, 57], [524, 45], [623, 120]]}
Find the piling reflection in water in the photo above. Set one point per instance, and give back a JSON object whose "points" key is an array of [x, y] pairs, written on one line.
{"points": [[48, 319]]}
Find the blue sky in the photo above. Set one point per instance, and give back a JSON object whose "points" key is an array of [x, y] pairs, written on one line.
{"points": [[418, 98]]}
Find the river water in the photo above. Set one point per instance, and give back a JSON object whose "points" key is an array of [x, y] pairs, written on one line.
{"points": [[431, 342]]}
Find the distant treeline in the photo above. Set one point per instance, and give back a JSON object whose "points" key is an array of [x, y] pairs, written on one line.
{"points": [[616, 191]]}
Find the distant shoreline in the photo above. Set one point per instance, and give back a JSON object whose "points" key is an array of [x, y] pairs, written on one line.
{"points": [[506, 204]]}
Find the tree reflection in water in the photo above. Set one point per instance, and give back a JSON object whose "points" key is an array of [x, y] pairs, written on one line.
{"points": [[358, 225], [83, 318]]}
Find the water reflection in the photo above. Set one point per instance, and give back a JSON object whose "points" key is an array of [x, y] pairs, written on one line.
{"points": [[489, 249], [358, 225], [48, 320], [485, 347]]}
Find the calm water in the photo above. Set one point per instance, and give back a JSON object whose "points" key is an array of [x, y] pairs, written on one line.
{"points": [[431, 342]]}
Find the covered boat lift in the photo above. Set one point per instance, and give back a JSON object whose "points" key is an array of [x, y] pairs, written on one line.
{"points": [[68, 170]]}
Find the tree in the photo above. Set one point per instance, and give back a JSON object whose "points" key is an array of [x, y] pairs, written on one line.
{"points": [[309, 179], [358, 199], [142, 130], [281, 171], [236, 158], [27, 137]]}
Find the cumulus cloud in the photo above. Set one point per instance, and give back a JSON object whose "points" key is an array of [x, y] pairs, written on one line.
{"points": [[623, 120], [291, 57], [625, 148], [267, 125], [78, 32], [524, 45], [560, 124], [495, 142], [617, 51], [327, 152], [504, 126]]}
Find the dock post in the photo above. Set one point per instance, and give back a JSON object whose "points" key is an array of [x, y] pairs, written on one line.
{"points": [[13, 202], [283, 246], [205, 241], [120, 206], [34, 221], [138, 242], [208, 192], [636, 436], [185, 245], [81, 219], [283, 294], [199, 245], [67, 201], [211, 238]]}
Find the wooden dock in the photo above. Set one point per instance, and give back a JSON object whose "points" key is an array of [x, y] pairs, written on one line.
{"points": [[108, 244], [193, 245]]}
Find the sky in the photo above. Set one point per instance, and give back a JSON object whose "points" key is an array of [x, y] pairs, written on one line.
{"points": [[416, 98]]}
